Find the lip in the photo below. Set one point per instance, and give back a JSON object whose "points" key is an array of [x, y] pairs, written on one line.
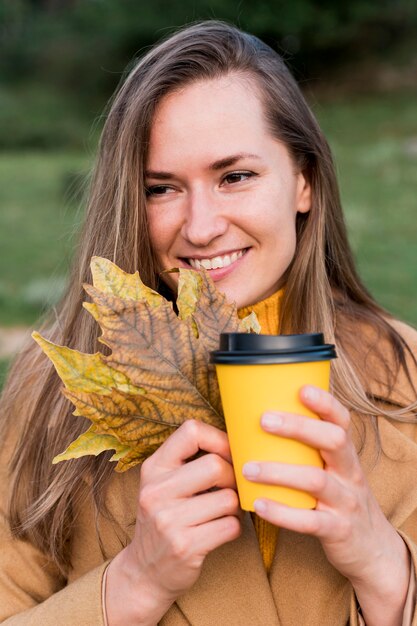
{"points": [[220, 272]]}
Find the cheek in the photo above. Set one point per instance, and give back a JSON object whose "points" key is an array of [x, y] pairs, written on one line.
{"points": [[161, 240], [160, 233], [276, 226], [274, 210]]}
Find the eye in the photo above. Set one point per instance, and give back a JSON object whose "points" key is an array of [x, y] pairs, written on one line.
{"points": [[237, 177], [157, 190]]}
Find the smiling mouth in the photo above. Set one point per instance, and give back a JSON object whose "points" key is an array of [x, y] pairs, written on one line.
{"points": [[217, 261]]}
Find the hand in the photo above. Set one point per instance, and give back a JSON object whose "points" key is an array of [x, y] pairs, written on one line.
{"points": [[355, 535], [179, 521]]}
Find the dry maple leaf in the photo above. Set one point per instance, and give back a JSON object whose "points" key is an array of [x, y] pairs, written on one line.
{"points": [[158, 373]]}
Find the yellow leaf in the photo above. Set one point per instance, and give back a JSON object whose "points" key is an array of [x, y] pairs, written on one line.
{"points": [[110, 279], [250, 324], [127, 417], [116, 417], [158, 373], [189, 286], [139, 454], [92, 309], [84, 372], [156, 351], [91, 442]]}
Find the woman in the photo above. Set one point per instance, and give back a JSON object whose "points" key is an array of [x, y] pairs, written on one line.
{"points": [[211, 158]]}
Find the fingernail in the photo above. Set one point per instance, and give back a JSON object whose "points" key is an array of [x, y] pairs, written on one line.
{"points": [[311, 393], [251, 470], [259, 506], [270, 421]]}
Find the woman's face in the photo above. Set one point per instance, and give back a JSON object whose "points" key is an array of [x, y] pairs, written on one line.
{"points": [[223, 194]]}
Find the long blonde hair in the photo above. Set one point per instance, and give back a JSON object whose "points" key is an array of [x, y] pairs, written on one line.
{"points": [[323, 291]]}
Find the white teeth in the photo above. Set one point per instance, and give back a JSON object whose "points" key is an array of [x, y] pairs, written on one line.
{"points": [[216, 262]]}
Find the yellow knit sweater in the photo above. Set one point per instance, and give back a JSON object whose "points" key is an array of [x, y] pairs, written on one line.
{"points": [[267, 312]]}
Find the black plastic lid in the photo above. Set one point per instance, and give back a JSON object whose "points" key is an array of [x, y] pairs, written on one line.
{"points": [[250, 348]]}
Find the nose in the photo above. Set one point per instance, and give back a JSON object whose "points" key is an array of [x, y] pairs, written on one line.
{"points": [[204, 220]]}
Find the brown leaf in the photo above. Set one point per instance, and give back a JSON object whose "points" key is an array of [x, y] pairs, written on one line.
{"points": [[158, 373]]}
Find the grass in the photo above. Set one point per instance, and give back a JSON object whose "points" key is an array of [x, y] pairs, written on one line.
{"points": [[38, 219], [375, 144]]}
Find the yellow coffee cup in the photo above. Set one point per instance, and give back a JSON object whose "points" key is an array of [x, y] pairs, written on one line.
{"points": [[257, 373]]}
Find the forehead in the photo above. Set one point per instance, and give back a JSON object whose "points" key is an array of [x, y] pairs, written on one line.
{"points": [[209, 115]]}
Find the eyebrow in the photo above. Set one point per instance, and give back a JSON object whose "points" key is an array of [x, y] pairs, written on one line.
{"points": [[217, 165]]}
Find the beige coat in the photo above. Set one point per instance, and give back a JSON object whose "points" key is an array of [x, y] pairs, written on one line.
{"points": [[233, 589]]}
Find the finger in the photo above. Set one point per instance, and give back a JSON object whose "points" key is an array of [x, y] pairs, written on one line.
{"points": [[206, 472], [214, 534], [191, 437], [321, 484], [316, 433], [200, 509], [317, 523], [325, 405], [333, 441]]}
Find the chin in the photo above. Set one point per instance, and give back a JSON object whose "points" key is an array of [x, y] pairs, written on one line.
{"points": [[249, 299], [241, 300]]}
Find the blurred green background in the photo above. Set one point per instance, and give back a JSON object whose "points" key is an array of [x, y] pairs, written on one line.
{"points": [[60, 61]]}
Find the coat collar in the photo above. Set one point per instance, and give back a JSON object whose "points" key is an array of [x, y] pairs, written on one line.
{"points": [[391, 471], [233, 588]]}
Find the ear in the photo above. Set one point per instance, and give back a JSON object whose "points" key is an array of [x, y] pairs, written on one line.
{"points": [[303, 200]]}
